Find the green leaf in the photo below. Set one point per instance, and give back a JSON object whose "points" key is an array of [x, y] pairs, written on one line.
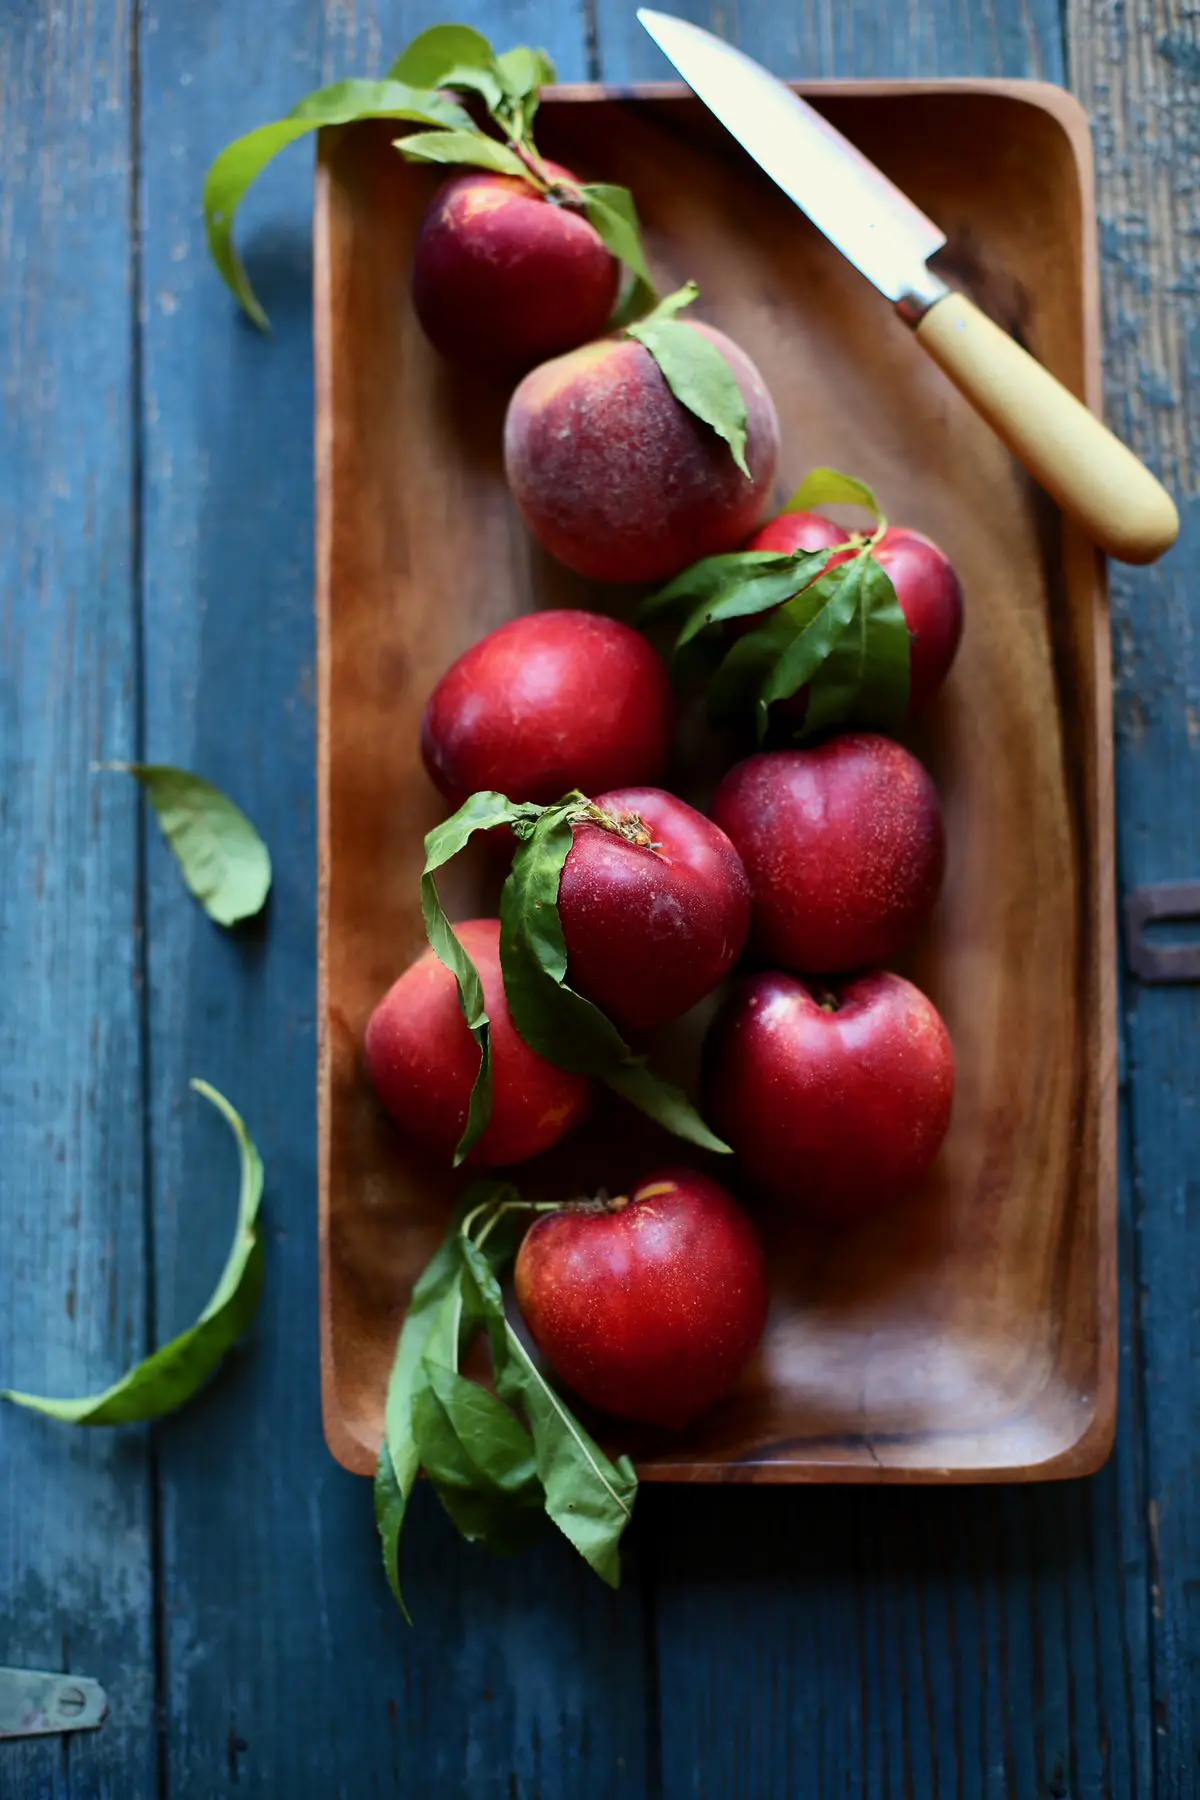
{"points": [[710, 577], [696, 372], [484, 82], [523, 70], [589, 1497], [551, 1017], [667, 308], [241, 162], [467, 148], [482, 812], [829, 487], [612, 213], [433, 53], [821, 614], [663, 1102], [399, 1460], [168, 1378], [224, 862], [758, 591], [732, 694], [865, 678], [478, 1456]]}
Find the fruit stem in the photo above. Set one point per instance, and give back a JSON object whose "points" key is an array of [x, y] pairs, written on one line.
{"points": [[828, 1001], [506, 1206], [630, 826], [537, 169]]}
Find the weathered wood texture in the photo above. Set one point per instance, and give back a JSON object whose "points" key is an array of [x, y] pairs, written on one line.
{"points": [[75, 1552], [287, 1667], [1136, 67]]}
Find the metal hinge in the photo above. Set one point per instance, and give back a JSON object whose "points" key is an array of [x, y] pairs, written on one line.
{"points": [[1158, 963], [36, 1704]]}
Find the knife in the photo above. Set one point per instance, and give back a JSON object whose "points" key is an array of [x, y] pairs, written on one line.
{"points": [[1089, 472]]}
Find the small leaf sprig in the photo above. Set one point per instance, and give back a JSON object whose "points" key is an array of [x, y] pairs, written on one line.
{"points": [[498, 1462], [420, 88], [549, 1015], [509, 88], [172, 1374], [695, 370], [837, 632]]}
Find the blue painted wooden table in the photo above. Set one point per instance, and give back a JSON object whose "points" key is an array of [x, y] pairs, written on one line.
{"points": [[219, 1574]]}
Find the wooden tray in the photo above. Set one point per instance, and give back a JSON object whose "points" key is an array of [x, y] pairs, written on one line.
{"points": [[971, 1335]]}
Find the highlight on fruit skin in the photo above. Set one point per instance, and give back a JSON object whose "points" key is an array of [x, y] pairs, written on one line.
{"points": [[422, 1061], [650, 1305], [617, 479], [836, 1095], [548, 702]]}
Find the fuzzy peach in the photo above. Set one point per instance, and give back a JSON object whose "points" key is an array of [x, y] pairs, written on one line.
{"points": [[617, 479]]}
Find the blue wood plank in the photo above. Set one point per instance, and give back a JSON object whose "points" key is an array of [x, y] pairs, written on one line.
{"points": [[288, 1670], [75, 1553], [1136, 71], [862, 37], [937, 1644]]}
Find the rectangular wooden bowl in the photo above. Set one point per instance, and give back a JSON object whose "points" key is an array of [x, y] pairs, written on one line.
{"points": [[971, 1335]]}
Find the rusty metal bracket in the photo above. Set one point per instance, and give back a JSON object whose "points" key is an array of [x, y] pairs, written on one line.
{"points": [[1161, 963]]}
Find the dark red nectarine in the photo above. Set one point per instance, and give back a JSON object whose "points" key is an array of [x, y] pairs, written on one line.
{"points": [[844, 846], [649, 1305], [835, 1097], [504, 277], [655, 912], [546, 703]]}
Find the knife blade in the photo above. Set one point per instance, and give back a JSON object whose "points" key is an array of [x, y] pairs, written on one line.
{"points": [[1089, 472]]}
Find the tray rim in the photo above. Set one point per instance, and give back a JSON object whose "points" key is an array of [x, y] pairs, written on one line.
{"points": [[1087, 1452]]}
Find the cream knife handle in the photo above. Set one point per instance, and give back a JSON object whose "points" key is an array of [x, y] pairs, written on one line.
{"points": [[1079, 462]]}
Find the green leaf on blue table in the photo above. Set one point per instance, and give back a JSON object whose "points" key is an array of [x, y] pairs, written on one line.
{"points": [[169, 1377], [523, 70], [482, 812], [695, 371], [550, 1016], [587, 1495], [241, 162], [427, 61], [829, 487], [399, 1459], [468, 148], [223, 860], [478, 1456]]}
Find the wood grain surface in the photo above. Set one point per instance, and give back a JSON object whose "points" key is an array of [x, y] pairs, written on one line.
{"points": [[972, 1333], [76, 1547], [961, 1644]]}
